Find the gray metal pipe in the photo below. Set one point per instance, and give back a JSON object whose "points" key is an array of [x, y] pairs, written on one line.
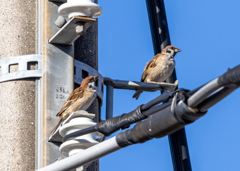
{"points": [[109, 101], [86, 156], [203, 93], [215, 98]]}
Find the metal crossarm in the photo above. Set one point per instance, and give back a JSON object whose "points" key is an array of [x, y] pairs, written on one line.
{"points": [[132, 85]]}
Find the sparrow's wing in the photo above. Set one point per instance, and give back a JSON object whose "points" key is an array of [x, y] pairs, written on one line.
{"points": [[150, 64], [76, 94]]}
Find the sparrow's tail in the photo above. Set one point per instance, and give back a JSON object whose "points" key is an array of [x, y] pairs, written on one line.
{"points": [[55, 128], [137, 94]]}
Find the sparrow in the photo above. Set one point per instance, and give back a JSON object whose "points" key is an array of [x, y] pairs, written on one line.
{"points": [[80, 99], [159, 68]]}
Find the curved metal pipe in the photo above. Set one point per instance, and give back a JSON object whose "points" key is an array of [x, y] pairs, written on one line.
{"points": [[215, 98], [203, 93]]}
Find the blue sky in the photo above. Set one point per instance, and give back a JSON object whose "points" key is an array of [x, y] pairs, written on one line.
{"points": [[208, 34]]}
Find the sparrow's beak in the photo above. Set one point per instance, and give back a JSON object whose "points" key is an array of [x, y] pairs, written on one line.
{"points": [[177, 50], [95, 78]]}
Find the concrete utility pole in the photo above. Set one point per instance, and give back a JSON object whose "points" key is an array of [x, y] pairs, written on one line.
{"points": [[28, 106], [17, 98]]}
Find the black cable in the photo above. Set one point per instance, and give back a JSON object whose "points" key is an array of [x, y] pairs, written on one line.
{"points": [[79, 133]]}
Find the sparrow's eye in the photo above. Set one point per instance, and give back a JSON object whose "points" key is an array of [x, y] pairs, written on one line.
{"points": [[90, 86], [169, 51]]}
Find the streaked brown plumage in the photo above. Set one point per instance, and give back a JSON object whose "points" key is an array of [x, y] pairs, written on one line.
{"points": [[159, 68], [80, 99]]}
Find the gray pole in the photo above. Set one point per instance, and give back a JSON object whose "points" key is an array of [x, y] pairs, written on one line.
{"points": [[109, 101], [161, 38], [86, 50], [17, 98]]}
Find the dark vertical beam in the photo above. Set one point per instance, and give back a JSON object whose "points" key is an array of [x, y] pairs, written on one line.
{"points": [[86, 51], [109, 101], [161, 38]]}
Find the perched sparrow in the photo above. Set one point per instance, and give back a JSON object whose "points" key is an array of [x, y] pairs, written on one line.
{"points": [[80, 99], [159, 68]]}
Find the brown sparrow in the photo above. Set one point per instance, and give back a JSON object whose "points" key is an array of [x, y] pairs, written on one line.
{"points": [[80, 99], [159, 68]]}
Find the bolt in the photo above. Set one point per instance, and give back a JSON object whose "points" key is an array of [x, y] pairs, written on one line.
{"points": [[80, 29], [60, 21]]}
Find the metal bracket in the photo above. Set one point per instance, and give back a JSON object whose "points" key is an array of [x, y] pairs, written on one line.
{"points": [[23, 71], [82, 70], [134, 85], [72, 30]]}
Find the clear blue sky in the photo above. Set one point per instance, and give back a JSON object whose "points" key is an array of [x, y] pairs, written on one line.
{"points": [[208, 32]]}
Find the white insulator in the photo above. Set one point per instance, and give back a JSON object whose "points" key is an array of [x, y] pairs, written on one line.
{"points": [[80, 8], [80, 143]]}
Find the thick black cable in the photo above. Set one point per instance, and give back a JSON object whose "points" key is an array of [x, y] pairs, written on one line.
{"points": [[120, 122], [79, 133], [159, 125], [157, 100], [232, 76], [215, 98]]}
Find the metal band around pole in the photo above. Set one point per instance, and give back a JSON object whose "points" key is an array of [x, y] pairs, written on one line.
{"points": [[23, 69]]}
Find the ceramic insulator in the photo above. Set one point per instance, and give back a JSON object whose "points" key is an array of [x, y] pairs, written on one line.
{"points": [[85, 8], [80, 143]]}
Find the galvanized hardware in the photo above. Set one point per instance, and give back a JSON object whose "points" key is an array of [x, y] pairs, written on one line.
{"points": [[23, 70], [83, 70], [80, 29], [109, 101], [68, 34], [131, 85], [60, 21], [57, 80], [134, 85]]}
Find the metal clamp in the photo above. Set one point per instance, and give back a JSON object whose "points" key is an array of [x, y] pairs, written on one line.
{"points": [[72, 30], [82, 70], [131, 85], [23, 71]]}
